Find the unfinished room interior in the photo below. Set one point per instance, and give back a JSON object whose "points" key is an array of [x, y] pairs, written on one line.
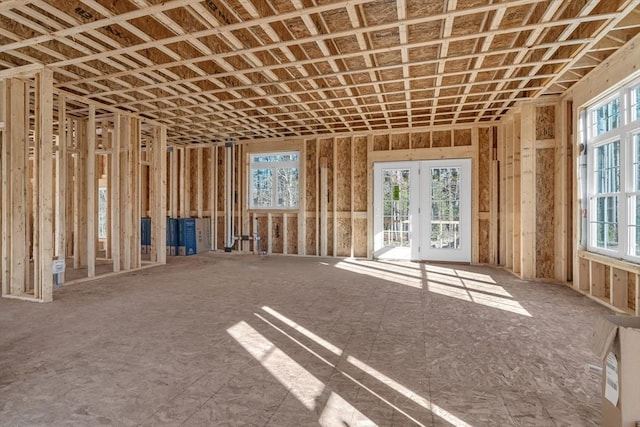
{"points": [[316, 212]]}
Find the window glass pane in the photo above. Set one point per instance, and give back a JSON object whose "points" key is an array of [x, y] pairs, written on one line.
{"points": [[635, 103], [445, 235], [287, 196], [102, 213], [275, 181], [274, 157], [607, 168], [395, 198], [445, 207], [261, 185], [613, 186], [606, 222], [606, 117]]}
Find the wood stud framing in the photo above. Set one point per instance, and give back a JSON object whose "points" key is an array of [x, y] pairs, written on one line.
{"points": [[602, 278], [52, 161], [15, 260]]}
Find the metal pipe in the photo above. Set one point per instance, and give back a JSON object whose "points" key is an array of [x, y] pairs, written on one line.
{"points": [[228, 232]]}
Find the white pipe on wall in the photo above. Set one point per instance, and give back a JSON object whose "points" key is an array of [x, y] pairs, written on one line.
{"points": [[228, 232]]}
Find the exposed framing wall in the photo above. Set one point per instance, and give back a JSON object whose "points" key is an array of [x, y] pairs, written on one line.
{"points": [[335, 206], [26, 110], [535, 205], [614, 283], [57, 149]]}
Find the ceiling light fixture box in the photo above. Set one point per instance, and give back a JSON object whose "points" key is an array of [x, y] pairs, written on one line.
{"points": [[616, 341]]}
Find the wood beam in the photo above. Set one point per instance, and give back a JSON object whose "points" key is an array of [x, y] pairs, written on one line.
{"points": [[92, 192], [14, 182], [115, 194], [158, 202]]}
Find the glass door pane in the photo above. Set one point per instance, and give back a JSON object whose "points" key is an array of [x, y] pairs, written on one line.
{"points": [[446, 222], [422, 210], [395, 199], [445, 207], [395, 207]]}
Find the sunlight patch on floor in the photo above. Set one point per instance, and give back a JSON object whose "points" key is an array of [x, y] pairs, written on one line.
{"points": [[336, 406], [416, 398], [399, 279], [456, 283], [487, 300], [304, 386]]}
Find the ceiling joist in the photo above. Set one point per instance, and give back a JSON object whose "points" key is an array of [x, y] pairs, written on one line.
{"points": [[212, 69]]}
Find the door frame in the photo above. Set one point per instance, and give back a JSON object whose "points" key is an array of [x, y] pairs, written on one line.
{"points": [[414, 204], [463, 254], [419, 205]]}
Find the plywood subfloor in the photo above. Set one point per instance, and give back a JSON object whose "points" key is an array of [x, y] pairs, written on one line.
{"points": [[227, 339]]}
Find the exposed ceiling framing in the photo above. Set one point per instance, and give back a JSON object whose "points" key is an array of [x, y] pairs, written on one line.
{"points": [[247, 69]]}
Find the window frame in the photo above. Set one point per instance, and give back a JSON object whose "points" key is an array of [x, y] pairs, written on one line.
{"points": [[592, 112], [274, 167], [628, 127], [634, 101]]}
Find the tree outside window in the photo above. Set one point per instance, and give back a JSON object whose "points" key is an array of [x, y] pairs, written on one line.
{"points": [[611, 131], [275, 181]]}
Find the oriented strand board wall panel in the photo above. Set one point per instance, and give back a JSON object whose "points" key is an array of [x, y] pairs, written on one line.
{"points": [[360, 240], [277, 238], [420, 140], [537, 193], [220, 235], [326, 151], [346, 161], [360, 174], [292, 234], [545, 122], [400, 141], [343, 184], [484, 169], [441, 138], [381, 143], [312, 173], [263, 232], [545, 161], [484, 188], [462, 137], [221, 179], [343, 245], [483, 240], [311, 236], [207, 191], [193, 178]]}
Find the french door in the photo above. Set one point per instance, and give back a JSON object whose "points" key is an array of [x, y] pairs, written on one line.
{"points": [[422, 210]]}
